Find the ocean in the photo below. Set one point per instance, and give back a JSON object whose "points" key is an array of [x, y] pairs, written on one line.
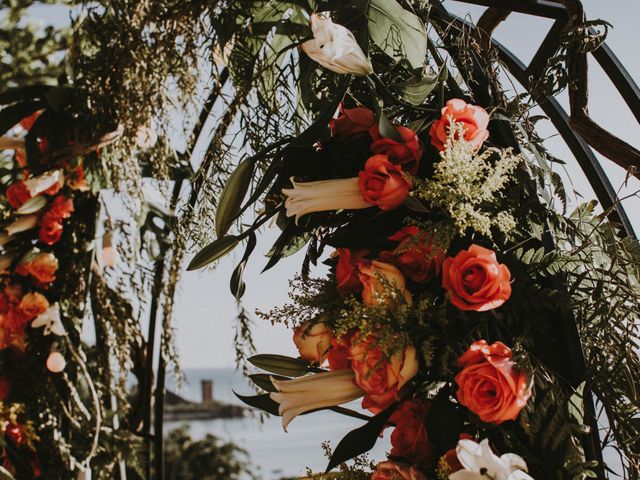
{"points": [[273, 453]]}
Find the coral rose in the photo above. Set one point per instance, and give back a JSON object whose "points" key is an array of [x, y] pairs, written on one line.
{"points": [[347, 273], [41, 266], [383, 184], [61, 207], [475, 280], [32, 305], [415, 255], [378, 375], [406, 153], [312, 342], [50, 230], [338, 354], [489, 384], [351, 121], [382, 284], [393, 471], [17, 194], [409, 439], [474, 118]]}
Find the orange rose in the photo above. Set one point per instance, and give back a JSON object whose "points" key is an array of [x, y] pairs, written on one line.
{"points": [[409, 439], [475, 280], [41, 266], [383, 184], [17, 194], [381, 377], [312, 343], [351, 121], [414, 254], [61, 207], [32, 305], [382, 283], [347, 274], [406, 153], [338, 354], [489, 384], [392, 471], [475, 120]]}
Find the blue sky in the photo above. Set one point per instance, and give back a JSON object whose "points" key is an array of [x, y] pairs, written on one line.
{"points": [[205, 309]]}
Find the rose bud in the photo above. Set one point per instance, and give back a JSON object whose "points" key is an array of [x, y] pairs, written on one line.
{"points": [[383, 184], [312, 343], [335, 48], [392, 471], [475, 280], [414, 254], [409, 439], [474, 118], [379, 376], [351, 121], [347, 273], [382, 284], [406, 153], [489, 384]]}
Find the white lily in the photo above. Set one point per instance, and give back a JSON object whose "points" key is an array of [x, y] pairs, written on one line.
{"points": [[24, 223], [480, 463], [312, 392], [322, 196], [50, 320], [335, 48], [11, 143], [39, 184]]}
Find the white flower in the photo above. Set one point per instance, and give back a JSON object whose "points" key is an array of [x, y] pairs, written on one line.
{"points": [[312, 392], [322, 196], [24, 223], [50, 320], [334, 47], [480, 463], [39, 184], [146, 137]]}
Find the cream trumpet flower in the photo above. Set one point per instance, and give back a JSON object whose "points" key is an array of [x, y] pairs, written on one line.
{"points": [[335, 48], [320, 390], [39, 184], [5, 262], [11, 143], [322, 196], [24, 223], [50, 320], [480, 463]]}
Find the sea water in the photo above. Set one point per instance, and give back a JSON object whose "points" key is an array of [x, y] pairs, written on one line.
{"points": [[274, 454]]}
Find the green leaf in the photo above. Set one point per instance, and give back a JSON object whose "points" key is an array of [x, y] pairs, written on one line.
{"points": [[280, 365], [232, 196], [214, 251], [414, 204], [237, 284], [263, 381], [32, 205], [262, 401], [386, 128], [417, 91], [398, 32], [360, 440]]}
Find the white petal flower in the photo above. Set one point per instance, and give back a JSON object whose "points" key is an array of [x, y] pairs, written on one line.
{"points": [[39, 184], [322, 196], [480, 463], [335, 48], [312, 392], [50, 320]]}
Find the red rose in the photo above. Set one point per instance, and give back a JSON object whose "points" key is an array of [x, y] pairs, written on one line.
{"points": [[17, 194], [406, 153], [378, 375], [409, 439], [14, 322], [338, 354], [475, 120], [475, 280], [61, 207], [50, 229], [414, 254], [27, 122], [15, 434], [351, 121], [489, 384], [383, 184], [347, 279]]}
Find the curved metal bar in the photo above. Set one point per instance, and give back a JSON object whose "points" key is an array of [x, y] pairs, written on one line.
{"points": [[539, 8], [579, 148]]}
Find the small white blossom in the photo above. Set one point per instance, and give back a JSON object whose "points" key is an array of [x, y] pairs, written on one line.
{"points": [[50, 320], [480, 463]]}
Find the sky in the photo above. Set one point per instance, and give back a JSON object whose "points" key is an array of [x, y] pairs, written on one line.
{"points": [[205, 309]]}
